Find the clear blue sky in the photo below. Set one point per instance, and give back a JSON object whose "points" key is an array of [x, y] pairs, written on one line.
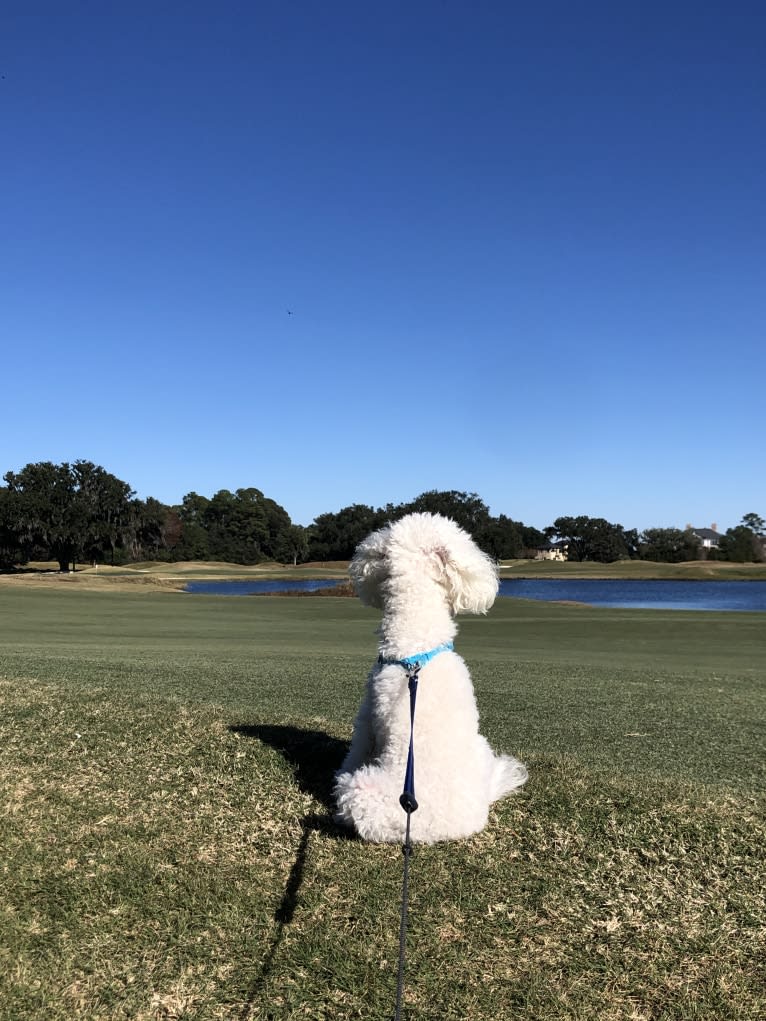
{"points": [[524, 249]]}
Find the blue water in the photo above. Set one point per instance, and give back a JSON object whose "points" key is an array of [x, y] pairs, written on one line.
{"points": [[252, 588], [655, 595]]}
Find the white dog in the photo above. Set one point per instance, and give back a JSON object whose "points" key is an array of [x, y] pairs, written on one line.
{"points": [[420, 571]]}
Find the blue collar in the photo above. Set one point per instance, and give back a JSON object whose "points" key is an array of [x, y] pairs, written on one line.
{"points": [[414, 663]]}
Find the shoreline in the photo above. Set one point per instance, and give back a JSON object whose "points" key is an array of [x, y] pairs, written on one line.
{"points": [[159, 577]]}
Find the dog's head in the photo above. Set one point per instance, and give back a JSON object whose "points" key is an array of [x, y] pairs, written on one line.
{"points": [[424, 545]]}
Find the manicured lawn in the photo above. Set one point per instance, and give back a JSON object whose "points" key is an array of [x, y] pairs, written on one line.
{"points": [[165, 763]]}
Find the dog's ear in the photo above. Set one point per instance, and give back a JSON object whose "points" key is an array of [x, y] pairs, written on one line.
{"points": [[468, 574], [369, 567]]}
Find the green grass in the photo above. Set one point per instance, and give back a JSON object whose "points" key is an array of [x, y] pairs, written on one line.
{"points": [[165, 765], [691, 570], [188, 570]]}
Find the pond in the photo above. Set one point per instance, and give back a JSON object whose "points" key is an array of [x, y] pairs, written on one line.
{"points": [[655, 595], [641, 594], [257, 588]]}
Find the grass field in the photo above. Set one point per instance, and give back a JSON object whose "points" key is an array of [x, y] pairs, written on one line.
{"points": [[165, 764], [155, 574]]}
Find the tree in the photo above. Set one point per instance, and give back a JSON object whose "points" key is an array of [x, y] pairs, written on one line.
{"points": [[505, 539], [668, 545], [594, 539], [335, 536], [755, 523], [501, 538], [39, 499], [630, 538], [757, 526], [193, 544], [157, 530], [235, 532], [467, 509], [11, 552], [102, 512], [293, 545], [244, 527], [745, 543], [278, 523], [70, 511]]}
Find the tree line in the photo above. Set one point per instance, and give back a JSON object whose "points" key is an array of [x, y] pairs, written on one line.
{"points": [[81, 513]]}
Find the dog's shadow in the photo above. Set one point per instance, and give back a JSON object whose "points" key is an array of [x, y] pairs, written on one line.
{"points": [[314, 757]]}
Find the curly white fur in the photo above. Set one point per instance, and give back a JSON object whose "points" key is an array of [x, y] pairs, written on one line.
{"points": [[420, 571]]}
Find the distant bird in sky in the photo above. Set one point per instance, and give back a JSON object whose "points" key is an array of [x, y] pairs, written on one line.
{"points": [[289, 312]]}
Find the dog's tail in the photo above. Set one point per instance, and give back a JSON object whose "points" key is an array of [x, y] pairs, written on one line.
{"points": [[507, 774]]}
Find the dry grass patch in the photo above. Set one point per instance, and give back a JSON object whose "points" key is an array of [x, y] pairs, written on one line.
{"points": [[171, 861], [91, 581]]}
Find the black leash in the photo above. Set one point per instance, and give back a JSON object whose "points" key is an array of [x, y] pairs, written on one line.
{"points": [[409, 804]]}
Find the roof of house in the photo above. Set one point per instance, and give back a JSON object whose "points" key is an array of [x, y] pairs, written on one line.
{"points": [[706, 533]]}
